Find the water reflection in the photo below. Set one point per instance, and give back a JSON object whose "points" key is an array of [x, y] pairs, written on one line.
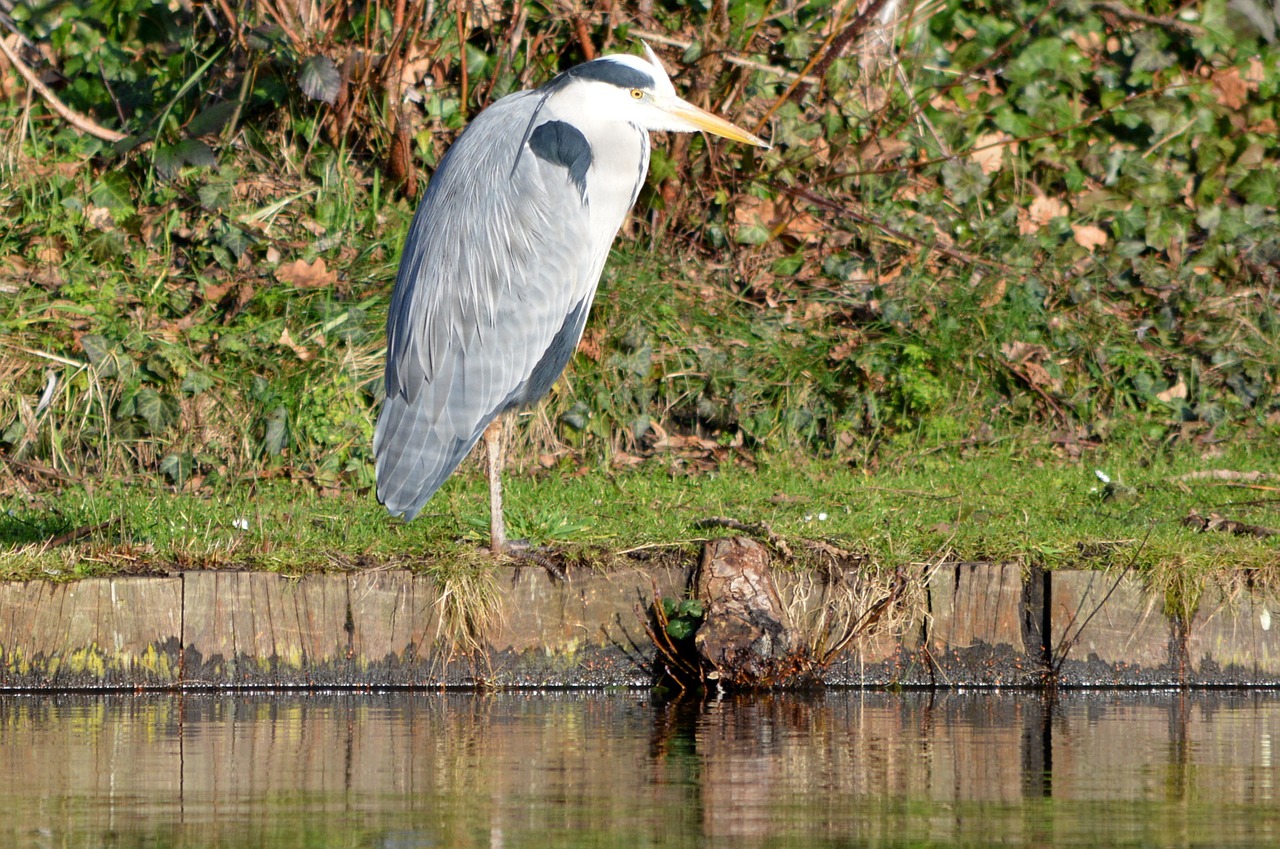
{"points": [[621, 769]]}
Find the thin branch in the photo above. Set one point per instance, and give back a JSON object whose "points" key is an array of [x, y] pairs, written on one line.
{"points": [[1126, 14], [730, 58], [80, 122]]}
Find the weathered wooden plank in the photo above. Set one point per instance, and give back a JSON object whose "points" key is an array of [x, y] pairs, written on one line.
{"points": [[1109, 630], [98, 632], [262, 629], [1234, 639], [975, 628], [585, 630], [395, 626]]}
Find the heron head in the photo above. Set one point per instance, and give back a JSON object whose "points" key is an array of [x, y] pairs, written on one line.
{"points": [[637, 89]]}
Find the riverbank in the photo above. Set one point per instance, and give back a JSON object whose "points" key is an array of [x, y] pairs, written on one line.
{"points": [[973, 624]]}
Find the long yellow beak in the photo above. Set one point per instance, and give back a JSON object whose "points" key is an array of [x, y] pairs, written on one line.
{"points": [[714, 124]]}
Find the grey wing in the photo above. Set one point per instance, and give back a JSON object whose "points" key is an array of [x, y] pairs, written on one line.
{"points": [[492, 294]]}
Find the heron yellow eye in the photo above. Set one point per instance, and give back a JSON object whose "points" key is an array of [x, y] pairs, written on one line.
{"points": [[636, 93]]}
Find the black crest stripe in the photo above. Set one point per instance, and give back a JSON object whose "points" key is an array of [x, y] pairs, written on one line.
{"points": [[614, 73]]}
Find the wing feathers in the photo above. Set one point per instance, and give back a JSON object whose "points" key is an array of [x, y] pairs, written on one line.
{"points": [[497, 271]]}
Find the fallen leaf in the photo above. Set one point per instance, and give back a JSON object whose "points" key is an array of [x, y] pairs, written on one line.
{"points": [[995, 296], [988, 151], [805, 228], [1021, 352], [99, 218], [591, 346], [1042, 210], [1256, 73], [754, 210], [286, 341], [1089, 236], [841, 351], [306, 275], [1232, 91], [1174, 393]]}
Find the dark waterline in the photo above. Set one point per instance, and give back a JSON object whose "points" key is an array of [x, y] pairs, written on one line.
{"points": [[626, 770]]}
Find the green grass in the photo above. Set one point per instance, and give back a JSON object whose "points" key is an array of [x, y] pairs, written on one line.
{"points": [[988, 504]]}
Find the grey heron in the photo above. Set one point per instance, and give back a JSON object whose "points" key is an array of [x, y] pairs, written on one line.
{"points": [[502, 260]]}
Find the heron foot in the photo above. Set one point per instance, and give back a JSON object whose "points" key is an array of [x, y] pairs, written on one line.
{"points": [[525, 553]]}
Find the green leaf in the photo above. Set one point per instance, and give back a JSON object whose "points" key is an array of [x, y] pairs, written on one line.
{"points": [[319, 79], [100, 352], [155, 409], [178, 467], [196, 382], [276, 439], [680, 629], [172, 158], [692, 608], [113, 192], [751, 234], [213, 119], [965, 180]]}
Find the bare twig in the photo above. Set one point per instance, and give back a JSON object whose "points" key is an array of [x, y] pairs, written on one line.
{"points": [[730, 58], [80, 122], [1218, 522], [81, 533], [1227, 475], [758, 529], [1173, 24]]}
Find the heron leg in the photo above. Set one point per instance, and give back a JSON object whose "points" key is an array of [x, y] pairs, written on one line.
{"points": [[493, 444]]}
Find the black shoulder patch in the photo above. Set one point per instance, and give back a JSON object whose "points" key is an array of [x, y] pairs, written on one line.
{"points": [[614, 73], [563, 144]]}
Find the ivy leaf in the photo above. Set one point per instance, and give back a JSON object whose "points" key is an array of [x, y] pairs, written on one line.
{"points": [[172, 158], [156, 410], [196, 382], [965, 180], [112, 191], [178, 467], [319, 79], [100, 354], [212, 120]]}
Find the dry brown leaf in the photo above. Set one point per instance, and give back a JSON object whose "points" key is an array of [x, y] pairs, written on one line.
{"points": [[988, 151], [591, 344], [1176, 392], [841, 351], [1038, 376], [754, 210], [286, 341], [1021, 352], [1042, 210], [1233, 92], [877, 151], [996, 295], [805, 228], [1089, 236], [306, 275], [99, 218]]}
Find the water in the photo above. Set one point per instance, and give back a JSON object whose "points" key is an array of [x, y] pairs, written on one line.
{"points": [[842, 769]]}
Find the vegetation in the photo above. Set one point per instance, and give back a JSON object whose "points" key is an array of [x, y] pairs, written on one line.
{"points": [[1033, 240]]}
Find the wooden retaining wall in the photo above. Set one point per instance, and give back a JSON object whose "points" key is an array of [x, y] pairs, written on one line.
{"points": [[983, 624]]}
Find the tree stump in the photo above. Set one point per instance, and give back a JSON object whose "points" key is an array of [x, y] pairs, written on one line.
{"points": [[746, 636]]}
